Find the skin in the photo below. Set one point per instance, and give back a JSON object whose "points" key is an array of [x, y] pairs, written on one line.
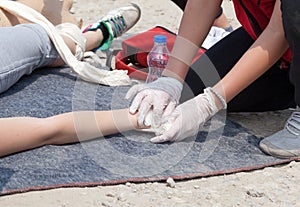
{"points": [[61, 129], [55, 11], [93, 39], [23, 133], [221, 21], [266, 50]]}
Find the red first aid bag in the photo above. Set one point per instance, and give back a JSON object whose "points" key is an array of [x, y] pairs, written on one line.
{"points": [[133, 56]]}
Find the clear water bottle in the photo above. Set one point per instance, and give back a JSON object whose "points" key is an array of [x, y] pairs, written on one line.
{"points": [[157, 58]]}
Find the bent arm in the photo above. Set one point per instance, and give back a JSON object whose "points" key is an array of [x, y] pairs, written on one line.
{"points": [[265, 51], [196, 22]]}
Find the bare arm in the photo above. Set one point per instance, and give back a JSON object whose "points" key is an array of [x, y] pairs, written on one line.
{"points": [[196, 22], [23, 133], [266, 50]]}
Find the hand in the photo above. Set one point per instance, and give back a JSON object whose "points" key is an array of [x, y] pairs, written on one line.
{"points": [[161, 95], [188, 117]]}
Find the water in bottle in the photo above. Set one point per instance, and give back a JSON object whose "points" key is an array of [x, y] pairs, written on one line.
{"points": [[157, 58]]}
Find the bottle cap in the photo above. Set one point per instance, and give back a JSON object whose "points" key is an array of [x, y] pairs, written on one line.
{"points": [[160, 39]]}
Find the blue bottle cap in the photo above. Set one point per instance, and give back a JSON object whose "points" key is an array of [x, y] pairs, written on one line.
{"points": [[160, 38]]}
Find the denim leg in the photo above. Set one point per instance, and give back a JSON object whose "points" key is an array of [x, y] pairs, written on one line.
{"points": [[23, 48]]}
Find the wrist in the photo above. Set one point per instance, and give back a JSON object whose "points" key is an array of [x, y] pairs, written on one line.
{"points": [[219, 100], [170, 85], [216, 101], [178, 75]]}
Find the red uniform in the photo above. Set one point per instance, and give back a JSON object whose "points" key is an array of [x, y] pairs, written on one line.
{"points": [[254, 16]]}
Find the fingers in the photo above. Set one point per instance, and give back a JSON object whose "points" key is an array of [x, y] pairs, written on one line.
{"points": [[160, 104], [137, 102], [168, 136], [132, 91], [143, 102], [171, 135], [148, 119], [144, 108], [159, 139], [168, 111], [158, 110]]}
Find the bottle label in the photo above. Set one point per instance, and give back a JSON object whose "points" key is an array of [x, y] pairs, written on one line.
{"points": [[157, 63]]}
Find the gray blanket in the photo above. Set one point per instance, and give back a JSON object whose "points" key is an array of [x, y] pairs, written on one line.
{"points": [[221, 147]]}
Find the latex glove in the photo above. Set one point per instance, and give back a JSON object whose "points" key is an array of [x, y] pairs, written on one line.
{"points": [[161, 96], [188, 117]]}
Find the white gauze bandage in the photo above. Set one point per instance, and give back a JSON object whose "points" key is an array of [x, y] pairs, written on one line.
{"points": [[75, 34]]}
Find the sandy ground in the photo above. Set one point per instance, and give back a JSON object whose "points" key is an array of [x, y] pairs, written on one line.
{"points": [[274, 186]]}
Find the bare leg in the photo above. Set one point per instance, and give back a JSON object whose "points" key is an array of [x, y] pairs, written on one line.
{"points": [[94, 38], [23, 133], [55, 11]]}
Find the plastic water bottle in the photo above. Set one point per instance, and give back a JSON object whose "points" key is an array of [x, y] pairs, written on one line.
{"points": [[157, 58]]}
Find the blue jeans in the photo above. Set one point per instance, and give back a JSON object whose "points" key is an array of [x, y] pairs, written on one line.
{"points": [[23, 48]]}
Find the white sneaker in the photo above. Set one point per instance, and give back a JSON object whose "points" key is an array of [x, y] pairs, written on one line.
{"points": [[117, 22]]}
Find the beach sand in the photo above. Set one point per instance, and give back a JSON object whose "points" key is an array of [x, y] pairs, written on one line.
{"points": [[273, 186]]}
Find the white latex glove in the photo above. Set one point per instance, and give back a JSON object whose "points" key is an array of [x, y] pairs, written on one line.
{"points": [[188, 117], [162, 96]]}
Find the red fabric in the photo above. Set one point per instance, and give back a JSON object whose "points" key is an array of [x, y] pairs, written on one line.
{"points": [[262, 11], [122, 63], [133, 56]]}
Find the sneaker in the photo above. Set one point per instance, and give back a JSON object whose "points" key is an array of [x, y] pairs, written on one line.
{"points": [[117, 22], [285, 143]]}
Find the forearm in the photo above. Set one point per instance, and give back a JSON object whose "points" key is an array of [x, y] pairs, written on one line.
{"points": [[22, 133], [196, 22], [92, 124], [266, 50]]}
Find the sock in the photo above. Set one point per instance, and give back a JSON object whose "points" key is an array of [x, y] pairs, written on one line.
{"points": [[105, 33]]}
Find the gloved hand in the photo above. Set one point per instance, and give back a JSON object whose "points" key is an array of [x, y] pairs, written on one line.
{"points": [[163, 95], [188, 117]]}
